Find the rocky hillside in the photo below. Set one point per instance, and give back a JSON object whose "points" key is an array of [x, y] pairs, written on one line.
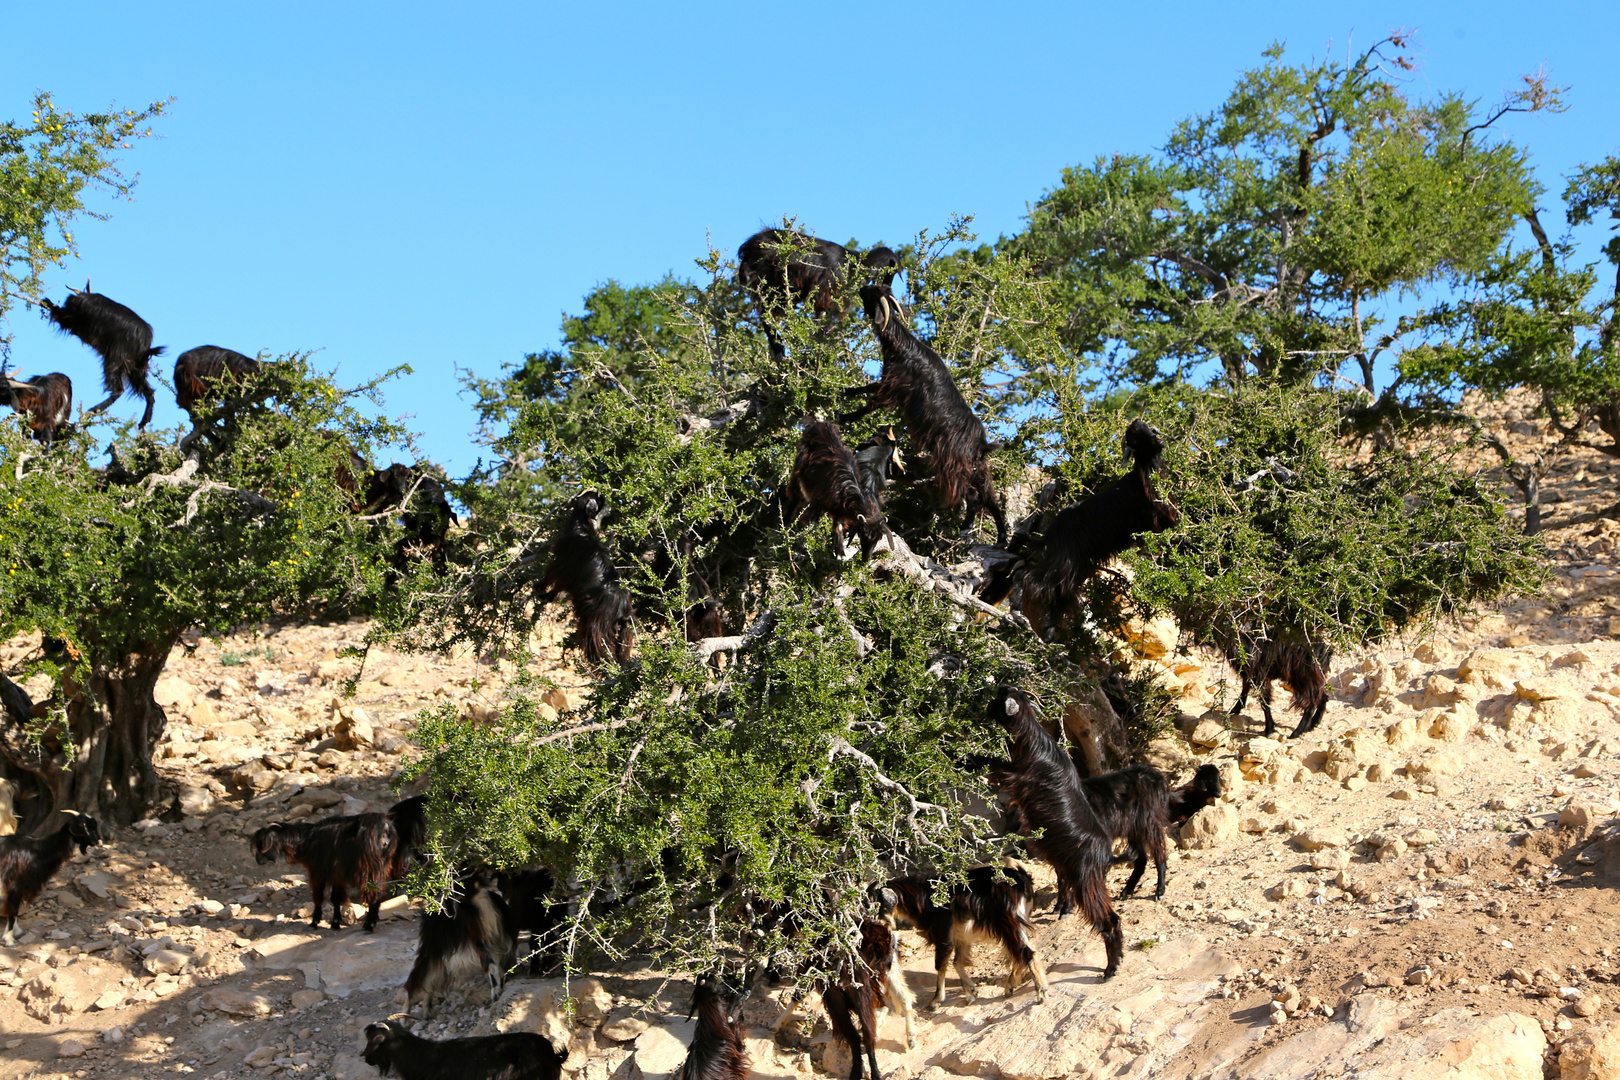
{"points": [[1423, 887]]}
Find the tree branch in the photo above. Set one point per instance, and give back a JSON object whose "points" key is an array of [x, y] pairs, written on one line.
{"points": [[582, 729], [840, 747], [707, 647]]}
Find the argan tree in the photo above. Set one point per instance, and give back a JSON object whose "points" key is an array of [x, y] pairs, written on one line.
{"points": [[251, 516]]}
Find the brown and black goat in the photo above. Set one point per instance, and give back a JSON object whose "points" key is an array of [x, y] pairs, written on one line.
{"points": [[992, 905], [195, 370], [1300, 664], [780, 269], [120, 337], [873, 458], [603, 613], [718, 1050], [469, 938], [27, 863], [45, 402], [916, 383], [516, 1055], [870, 978], [1043, 784], [1086, 535], [352, 851], [826, 480]]}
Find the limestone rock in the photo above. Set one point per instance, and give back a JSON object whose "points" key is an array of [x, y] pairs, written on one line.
{"points": [[307, 999], [70, 1048], [1379, 773], [592, 1002], [1213, 826], [1293, 887], [261, 1057], [1492, 668], [661, 1048], [1580, 813], [1592, 1054], [166, 961], [1322, 837], [354, 730], [544, 1011], [1402, 733], [236, 1003], [624, 1026], [196, 801], [1330, 860], [1540, 689], [172, 690], [1449, 727], [1210, 734], [1154, 638], [1439, 692]]}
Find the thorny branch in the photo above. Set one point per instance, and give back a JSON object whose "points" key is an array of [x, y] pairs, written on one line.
{"points": [[840, 747], [707, 647]]}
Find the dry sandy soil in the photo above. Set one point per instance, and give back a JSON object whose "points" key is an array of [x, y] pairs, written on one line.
{"points": [[1423, 887]]}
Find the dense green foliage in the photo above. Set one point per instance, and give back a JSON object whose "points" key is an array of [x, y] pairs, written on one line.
{"points": [[46, 166], [246, 522]]}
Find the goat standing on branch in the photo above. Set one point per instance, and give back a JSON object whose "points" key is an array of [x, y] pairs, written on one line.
{"points": [[826, 480], [120, 337], [916, 383], [27, 863], [45, 402], [993, 905], [425, 512], [196, 369], [1086, 535], [517, 1055], [603, 613], [1044, 786], [781, 269], [1301, 665]]}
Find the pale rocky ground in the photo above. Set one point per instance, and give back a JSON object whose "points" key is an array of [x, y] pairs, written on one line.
{"points": [[1424, 887]]}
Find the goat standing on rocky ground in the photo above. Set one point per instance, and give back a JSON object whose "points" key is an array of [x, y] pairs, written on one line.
{"points": [[916, 383], [120, 337], [351, 851], [718, 1050], [1185, 801], [992, 905], [27, 863], [1299, 664], [1044, 786], [468, 938], [518, 1055]]}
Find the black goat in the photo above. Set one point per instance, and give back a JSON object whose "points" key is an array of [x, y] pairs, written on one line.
{"points": [[409, 818], [718, 1051], [603, 612], [27, 863], [780, 269], [517, 1055], [352, 851], [196, 368], [873, 458], [702, 615], [1043, 784], [993, 905], [1301, 665], [120, 337], [1197, 793], [870, 978], [468, 938], [1086, 535], [916, 383], [826, 480], [530, 909], [425, 512], [45, 401]]}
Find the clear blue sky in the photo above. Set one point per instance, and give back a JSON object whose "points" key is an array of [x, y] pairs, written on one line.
{"points": [[436, 184]]}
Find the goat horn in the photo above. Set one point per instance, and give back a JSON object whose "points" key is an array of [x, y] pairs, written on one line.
{"points": [[861, 518], [899, 462], [883, 306]]}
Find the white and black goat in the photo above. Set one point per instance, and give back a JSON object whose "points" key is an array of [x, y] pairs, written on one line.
{"points": [[468, 939]]}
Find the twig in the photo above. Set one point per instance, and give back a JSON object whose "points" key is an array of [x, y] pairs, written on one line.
{"points": [[839, 747], [582, 729], [624, 780]]}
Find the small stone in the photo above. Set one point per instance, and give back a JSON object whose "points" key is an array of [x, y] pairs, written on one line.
{"points": [[1319, 838], [1403, 794], [1355, 783], [112, 1036], [1587, 1005], [261, 1057], [592, 1002], [210, 907], [1293, 887], [624, 1028], [1378, 773], [1210, 734], [1330, 860], [1521, 976], [110, 999], [166, 962], [1422, 837], [70, 1048], [1503, 802], [1421, 975], [307, 999]]}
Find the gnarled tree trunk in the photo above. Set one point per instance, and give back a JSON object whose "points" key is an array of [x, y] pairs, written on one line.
{"points": [[102, 763]]}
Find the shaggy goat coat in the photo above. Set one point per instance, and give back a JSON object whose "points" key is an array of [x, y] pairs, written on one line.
{"points": [[395, 1052], [120, 337], [27, 863]]}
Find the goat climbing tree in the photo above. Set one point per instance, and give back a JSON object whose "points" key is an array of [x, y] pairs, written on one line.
{"points": [[111, 564]]}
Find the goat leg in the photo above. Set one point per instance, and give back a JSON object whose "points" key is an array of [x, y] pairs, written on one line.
{"points": [[340, 904], [317, 887], [111, 399], [942, 964], [1138, 868], [1311, 719], [964, 957], [1265, 707], [9, 938]]}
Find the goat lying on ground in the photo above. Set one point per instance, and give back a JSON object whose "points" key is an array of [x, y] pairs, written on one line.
{"points": [[603, 613], [195, 370], [780, 269], [826, 481], [1042, 782], [530, 909], [45, 402], [120, 337], [1086, 535], [468, 938], [1299, 664], [718, 1051], [993, 905], [352, 851], [514, 1056], [1197, 793], [27, 863], [916, 383]]}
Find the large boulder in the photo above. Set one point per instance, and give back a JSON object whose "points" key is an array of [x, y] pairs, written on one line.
{"points": [[1593, 1054], [1214, 826]]}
